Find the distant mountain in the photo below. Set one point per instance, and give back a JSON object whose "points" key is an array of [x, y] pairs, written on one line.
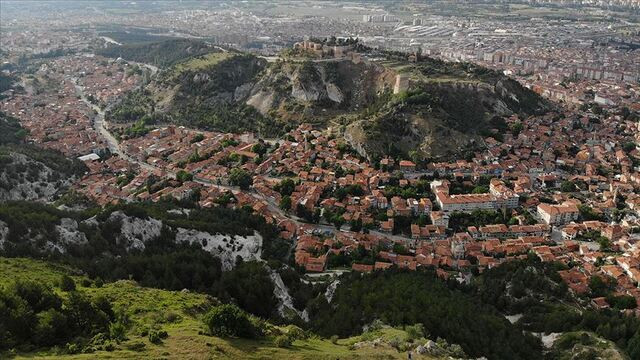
{"points": [[436, 109]]}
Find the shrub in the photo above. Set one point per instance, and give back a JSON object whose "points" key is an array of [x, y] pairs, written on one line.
{"points": [[72, 348], [156, 336], [172, 317], [283, 341], [334, 339], [295, 333], [85, 282], [118, 331], [414, 332], [229, 320], [67, 283], [136, 346], [395, 343]]}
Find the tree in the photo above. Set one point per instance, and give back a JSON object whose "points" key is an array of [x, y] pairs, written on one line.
{"points": [[415, 332], [628, 146], [567, 186], [67, 283], [229, 320], [480, 190], [598, 286], [605, 244], [259, 148], [356, 225], [633, 348], [241, 178], [197, 138], [183, 176], [285, 203], [516, 128], [286, 187]]}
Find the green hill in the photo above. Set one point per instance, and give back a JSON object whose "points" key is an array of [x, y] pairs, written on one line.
{"points": [[179, 313], [160, 53]]}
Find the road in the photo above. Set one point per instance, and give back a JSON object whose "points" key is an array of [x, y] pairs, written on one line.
{"points": [[116, 148], [112, 142]]}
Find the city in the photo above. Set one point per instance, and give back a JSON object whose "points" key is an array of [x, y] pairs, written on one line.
{"points": [[369, 138]]}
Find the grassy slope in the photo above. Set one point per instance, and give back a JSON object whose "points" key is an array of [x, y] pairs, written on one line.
{"points": [[201, 62], [570, 344], [186, 341]]}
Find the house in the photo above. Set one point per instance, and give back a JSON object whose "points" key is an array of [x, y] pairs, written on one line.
{"points": [[362, 268], [406, 165], [439, 218], [558, 214]]}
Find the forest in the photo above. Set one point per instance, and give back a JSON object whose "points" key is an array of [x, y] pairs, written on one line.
{"points": [[399, 297]]}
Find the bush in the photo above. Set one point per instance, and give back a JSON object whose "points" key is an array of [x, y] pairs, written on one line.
{"points": [[296, 333], [67, 283], [156, 336], [118, 331], [229, 320], [334, 339], [136, 346], [414, 332], [172, 317], [283, 341]]}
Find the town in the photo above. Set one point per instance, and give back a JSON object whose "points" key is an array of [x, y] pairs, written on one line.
{"points": [[286, 158], [538, 191]]}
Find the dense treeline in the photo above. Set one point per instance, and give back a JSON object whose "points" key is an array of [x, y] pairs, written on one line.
{"points": [[6, 81], [535, 290], [402, 297], [161, 54], [33, 316], [10, 130]]}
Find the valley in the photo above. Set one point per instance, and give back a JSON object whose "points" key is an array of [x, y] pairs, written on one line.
{"points": [[170, 195]]}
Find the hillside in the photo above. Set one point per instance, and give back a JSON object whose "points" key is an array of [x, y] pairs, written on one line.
{"points": [[217, 251], [583, 344], [440, 108], [142, 243], [28, 172], [180, 314], [199, 92], [160, 53]]}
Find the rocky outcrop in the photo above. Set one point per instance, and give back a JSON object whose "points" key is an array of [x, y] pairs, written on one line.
{"points": [[4, 233], [226, 247], [134, 231], [68, 232], [286, 309], [22, 178]]}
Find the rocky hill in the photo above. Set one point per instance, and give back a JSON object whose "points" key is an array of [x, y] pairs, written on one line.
{"points": [[28, 172], [387, 106]]}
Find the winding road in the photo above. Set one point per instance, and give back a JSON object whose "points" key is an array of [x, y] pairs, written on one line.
{"points": [[115, 148]]}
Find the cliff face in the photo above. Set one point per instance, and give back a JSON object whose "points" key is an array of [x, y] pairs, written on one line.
{"points": [[312, 91]]}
